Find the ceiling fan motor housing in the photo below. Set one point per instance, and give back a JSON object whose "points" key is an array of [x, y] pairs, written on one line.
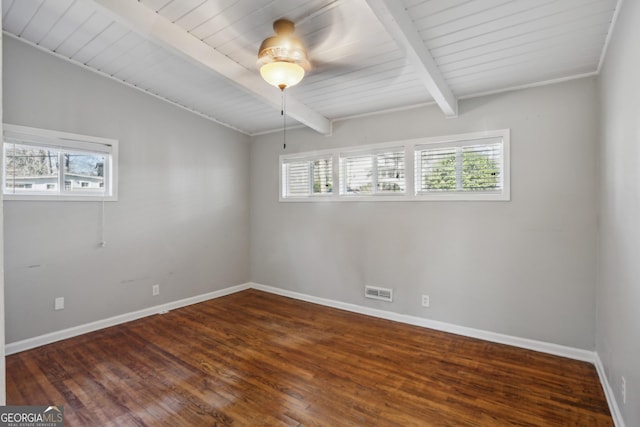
{"points": [[283, 47]]}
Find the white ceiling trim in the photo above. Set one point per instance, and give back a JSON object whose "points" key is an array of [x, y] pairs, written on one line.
{"points": [[158, 29], [394, 17]]}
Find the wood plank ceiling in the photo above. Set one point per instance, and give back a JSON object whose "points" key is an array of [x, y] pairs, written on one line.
{"points": [[367, 55]]}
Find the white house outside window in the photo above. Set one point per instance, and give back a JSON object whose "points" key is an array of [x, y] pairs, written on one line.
{"points": [[49, 165]]}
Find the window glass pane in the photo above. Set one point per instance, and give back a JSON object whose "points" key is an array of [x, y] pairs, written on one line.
{"points": [[84, 172], [42, 164], [481, 167], [466, 168], [472, 166], [322, 176], [391, 172], [438, 170], [30, 169], [297, 179], [357, 174]]}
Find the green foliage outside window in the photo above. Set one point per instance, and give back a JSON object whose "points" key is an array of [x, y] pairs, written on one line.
{"points": [[479, 172]]}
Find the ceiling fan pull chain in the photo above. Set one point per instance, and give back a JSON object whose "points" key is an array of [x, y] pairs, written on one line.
{"points": [[284, 120]]}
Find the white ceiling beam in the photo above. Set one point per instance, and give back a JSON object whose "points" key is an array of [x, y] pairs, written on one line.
{"points": [[393, 15], [161, 31]]}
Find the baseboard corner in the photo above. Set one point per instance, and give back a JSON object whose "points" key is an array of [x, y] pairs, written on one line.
{"points": [[608, 392], [51, 337]]}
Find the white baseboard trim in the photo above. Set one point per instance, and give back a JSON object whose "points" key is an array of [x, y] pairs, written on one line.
{"points": [[18, 346], [608, 392], [555, 349], [544, 347], [559, 350]]}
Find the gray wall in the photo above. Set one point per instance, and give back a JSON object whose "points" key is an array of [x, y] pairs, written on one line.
{"points": [[524, 267], [182, 218], [618, 313]]}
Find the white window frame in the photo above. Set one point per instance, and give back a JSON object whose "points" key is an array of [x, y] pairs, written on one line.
{"points": [[411, 148], [310, 158], [459, 141], [68, 142], [373, 153]]}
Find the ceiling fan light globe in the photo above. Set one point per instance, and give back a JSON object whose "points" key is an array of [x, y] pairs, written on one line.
{"points": [[282, 74]]}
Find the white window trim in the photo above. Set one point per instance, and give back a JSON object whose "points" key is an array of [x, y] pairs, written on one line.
{"points": [[372, 151], [307, 157], [457, 141], [410, 147], [69, 141]]}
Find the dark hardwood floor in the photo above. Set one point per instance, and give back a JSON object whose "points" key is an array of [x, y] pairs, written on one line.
{"points": [[254, 358]]}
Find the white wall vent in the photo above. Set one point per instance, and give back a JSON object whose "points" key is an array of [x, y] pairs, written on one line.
{"points": [[374, 292]]}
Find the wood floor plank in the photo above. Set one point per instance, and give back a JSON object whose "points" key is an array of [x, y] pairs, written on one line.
{"points": [[254, 358]]}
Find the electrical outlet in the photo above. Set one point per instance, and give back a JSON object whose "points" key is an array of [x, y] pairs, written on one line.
{"points": [[155, 290], [425, 300], [624, 391], [58, 303]]}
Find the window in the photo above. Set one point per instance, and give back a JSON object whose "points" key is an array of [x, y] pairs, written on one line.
{"points": [[307, 177], [461, 167], [472, 166], [48, 165], [378, 172]]}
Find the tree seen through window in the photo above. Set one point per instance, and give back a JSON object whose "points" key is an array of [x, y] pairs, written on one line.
{"points": [[461, 169]]}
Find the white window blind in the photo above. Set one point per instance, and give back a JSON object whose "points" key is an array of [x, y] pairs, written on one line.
{"points": [[307, 177], [322, 176], [373, 173], [472, 166], [391, 172], [298, 179], [356, 174], [463, 166]]}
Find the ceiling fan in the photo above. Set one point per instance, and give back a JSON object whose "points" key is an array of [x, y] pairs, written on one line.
{"points": [[330, 33], [283, 58]]}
